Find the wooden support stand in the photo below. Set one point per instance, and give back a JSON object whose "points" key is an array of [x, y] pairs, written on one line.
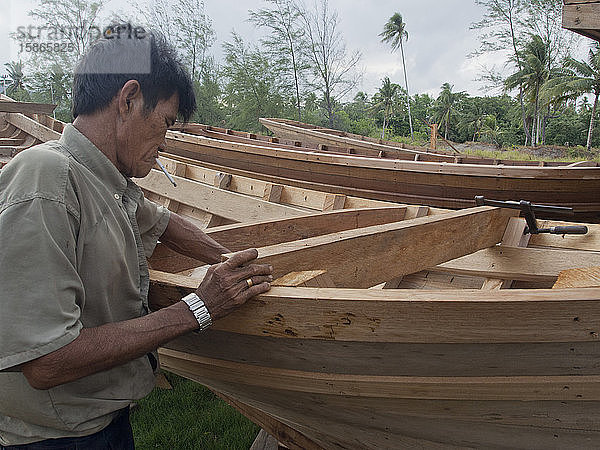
{"points": [[433, 141]]}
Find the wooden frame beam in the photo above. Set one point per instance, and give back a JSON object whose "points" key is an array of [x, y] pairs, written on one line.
{"points": [[290, 195], [32, 127], [583, 17], [407, 315], [26, 107], [227, 204], [368, 256], [261, 234], [523, 264]]}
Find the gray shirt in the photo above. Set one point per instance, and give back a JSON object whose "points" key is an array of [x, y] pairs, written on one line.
{"points": [[74, 237]]}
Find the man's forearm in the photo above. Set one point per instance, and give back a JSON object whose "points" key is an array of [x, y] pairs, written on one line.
{"points": [[187, 239], [107, 346]]}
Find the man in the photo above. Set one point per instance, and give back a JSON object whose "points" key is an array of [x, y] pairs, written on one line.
{"points": [[75, 334]]}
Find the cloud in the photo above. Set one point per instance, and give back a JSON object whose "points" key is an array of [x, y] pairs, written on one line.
{"points": [[439, 37]]}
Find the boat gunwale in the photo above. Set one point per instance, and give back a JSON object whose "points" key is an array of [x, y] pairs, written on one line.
{"points": [[371, 163]]}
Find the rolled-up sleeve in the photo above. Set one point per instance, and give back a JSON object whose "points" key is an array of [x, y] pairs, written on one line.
{"points": [[40, 289]]}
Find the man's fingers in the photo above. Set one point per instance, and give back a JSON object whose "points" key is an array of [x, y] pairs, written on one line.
{"points": [[240, 258], [256, 290], [255, 269], [256, 280]]}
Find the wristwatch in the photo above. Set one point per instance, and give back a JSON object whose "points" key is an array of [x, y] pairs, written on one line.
{"points": [[198, 308]]}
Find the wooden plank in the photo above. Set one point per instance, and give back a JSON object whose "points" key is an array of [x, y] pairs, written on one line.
{"points": [[581, 277], [589, 241], [26, 107], [230, 205], [584, 164], [284, 433], [397, 359], [264, 441], [264, 233], [579, 388], [295, 196], [346, 422], [10, 142], [399, 315], [583, 18], [334, 201], [309, 278], [32, 127], [513, 237], [525, 264], [365, 257], [434, 280], [273, 192], [178, 169], [222, 180]]}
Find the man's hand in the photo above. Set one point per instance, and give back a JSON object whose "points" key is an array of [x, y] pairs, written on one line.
{"points": [[225, 286]]}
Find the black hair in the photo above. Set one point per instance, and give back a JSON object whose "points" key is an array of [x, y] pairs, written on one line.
{"points": [[119, 57]]}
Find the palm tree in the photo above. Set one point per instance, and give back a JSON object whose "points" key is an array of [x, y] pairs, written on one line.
{"points": [[394, 33], [579, 78], [385, 99], [472, 119], [490, 131], [445, 106], [533, 74], [17, 79]]}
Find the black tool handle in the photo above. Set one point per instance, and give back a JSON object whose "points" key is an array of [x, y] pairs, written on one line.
{"points": [[480, 200], [573, 229]]}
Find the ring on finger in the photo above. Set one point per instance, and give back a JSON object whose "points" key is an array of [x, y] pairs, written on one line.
{"points": [[249, 282]]}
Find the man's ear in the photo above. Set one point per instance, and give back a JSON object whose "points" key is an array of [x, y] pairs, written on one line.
{"points": [[129, 98]]}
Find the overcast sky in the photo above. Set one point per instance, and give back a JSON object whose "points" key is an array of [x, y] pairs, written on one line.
{"points": [[436, 51]]}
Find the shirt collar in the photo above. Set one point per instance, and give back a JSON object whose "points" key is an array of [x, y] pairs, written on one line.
{"points": [[86, 153]]}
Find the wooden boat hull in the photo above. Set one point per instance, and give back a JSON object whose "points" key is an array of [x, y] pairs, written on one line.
{"points": [[406, 368], [434, 184], [353, 394]]}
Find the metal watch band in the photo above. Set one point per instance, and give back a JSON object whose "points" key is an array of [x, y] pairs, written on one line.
{"points": [[198, 308]]}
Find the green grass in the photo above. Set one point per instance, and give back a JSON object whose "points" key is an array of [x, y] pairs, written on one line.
{"points": [[189, 417], [523, 155]]}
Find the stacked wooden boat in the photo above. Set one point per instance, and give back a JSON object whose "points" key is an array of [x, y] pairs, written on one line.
{"points": [[447, 358], [432, 179], [390, 326]]}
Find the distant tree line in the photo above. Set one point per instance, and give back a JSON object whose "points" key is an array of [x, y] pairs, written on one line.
{"points": [[301, 69]]}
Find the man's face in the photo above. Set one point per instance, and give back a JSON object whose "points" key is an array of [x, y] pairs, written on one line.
{"points": [[143, 135]]}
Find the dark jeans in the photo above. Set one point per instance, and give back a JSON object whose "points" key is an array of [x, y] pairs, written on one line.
{"points": [[116, 436]]}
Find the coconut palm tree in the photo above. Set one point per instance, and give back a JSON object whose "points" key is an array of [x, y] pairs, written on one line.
{"points": [[577, 79], [394, 32], [16, 80], [446, 106], [385, 99], [533, 74]]}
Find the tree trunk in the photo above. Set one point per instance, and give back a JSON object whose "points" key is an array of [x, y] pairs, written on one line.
{"points": [[545, 125], [523, 115], [446, 126], [329, 107], [407, 94], [536, 118], [383, 129], [591, 129], [295, 77]]}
